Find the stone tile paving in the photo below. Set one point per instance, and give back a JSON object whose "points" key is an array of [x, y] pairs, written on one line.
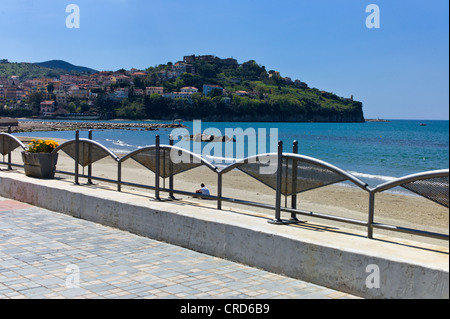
{"points": [[46, 255]]}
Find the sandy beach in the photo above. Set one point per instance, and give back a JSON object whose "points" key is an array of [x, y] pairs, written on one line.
{"points": [[340, 200]]}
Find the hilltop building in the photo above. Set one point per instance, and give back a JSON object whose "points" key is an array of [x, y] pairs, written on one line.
{"points": [[180, 68]]}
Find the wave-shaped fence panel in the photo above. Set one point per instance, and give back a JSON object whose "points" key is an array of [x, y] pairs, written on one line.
{"points": [[432, 185], [85, 152], [9, 143], [88, 151], [298, 173], [148, 158], [287, 174], [165, 161]]}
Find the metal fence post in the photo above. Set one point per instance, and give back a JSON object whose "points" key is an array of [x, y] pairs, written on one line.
{"points": [[157, 168], [294, 182], [277, 219], [9, 154], [371, 214], [219, 191], [90, 159], [77, 155], [119, 176], [171, 195]]}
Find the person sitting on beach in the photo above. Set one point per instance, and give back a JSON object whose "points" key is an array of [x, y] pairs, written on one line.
{"points": [[204, 190]]}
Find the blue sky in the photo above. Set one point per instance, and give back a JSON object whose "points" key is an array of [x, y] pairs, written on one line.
{"points": [[399, 71]]}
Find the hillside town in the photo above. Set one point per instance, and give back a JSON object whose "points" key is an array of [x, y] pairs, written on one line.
{"points": [[57, 96]]}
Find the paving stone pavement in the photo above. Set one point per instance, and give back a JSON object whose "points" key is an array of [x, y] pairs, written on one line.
{"points": [[47, 255]]}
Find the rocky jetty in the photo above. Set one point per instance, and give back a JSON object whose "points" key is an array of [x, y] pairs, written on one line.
{"points": [[34, 126]]}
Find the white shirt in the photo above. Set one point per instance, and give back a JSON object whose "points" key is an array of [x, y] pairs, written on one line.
{"points": [[205, 191]]}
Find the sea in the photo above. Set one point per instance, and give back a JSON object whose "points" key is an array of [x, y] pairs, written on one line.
{"points": [[375, 152]]}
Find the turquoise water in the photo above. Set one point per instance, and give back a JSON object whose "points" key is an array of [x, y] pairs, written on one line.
{"points": [[374, 151]]}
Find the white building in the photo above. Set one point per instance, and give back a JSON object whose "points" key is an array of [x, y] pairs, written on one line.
{"points": [[179, 95], [189, 89]]}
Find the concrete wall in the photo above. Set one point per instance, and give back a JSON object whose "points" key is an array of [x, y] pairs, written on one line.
{"points": [[331, 259]]}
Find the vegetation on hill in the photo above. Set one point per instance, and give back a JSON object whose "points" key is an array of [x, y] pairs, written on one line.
{"points": [[270, 98], [31, 71]]}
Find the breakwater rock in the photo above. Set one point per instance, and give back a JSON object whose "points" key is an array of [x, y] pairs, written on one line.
{"points": [[208, 138], [33, 126]]}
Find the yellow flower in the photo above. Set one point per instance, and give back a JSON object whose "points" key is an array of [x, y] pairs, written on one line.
{"points": [[41, 146]]}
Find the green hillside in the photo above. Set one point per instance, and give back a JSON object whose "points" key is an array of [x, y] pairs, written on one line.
{"points": [[272, 98], [29, 71]]}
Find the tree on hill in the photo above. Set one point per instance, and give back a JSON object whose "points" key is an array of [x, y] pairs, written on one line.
{"points": [[35, 100]]}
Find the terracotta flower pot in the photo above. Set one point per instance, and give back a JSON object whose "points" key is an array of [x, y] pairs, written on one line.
{"points": [[40, 165]]}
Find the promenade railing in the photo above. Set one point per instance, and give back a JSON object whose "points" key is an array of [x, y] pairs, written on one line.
{"points": [[9, 143], [288, 174], [432, 185]]}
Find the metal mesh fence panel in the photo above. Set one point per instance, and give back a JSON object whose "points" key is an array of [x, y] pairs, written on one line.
{"points": [[88, 153], [297, 176], [7, 144], [167, 167], [256, 170], [310, 176], [435, 189]]}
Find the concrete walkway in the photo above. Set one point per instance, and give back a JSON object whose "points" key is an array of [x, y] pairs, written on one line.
{"points": [[44, 254]]}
